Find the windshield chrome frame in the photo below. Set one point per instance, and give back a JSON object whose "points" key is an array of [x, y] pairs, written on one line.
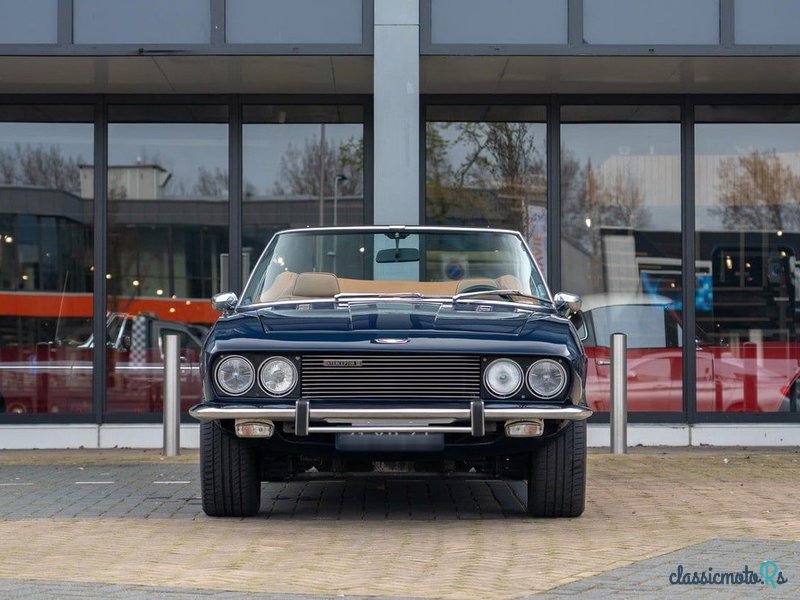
{"points": [[389, 228], [440, 300]]}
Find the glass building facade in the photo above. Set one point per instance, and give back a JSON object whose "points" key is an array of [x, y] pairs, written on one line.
{"points": [[653, 170], [674, 220], [164, 182]]}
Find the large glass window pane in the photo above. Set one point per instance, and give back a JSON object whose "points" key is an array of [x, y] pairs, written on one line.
{"points": [[29, 22], [303, 165], [771, 22], [293, 21], [650, 22], [621, 245], [46, 260], [167, 244], [486, 166], [748, 241], [142, 21], [499, 21]]}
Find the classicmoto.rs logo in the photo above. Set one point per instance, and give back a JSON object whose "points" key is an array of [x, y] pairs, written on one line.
{"points": [[768, 573]]}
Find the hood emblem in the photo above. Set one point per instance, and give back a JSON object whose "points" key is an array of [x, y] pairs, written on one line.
{"points": [[391, 340], [339, 362]]}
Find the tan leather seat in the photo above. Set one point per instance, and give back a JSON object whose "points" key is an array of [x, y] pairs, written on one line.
{"points": [[392, 286]]}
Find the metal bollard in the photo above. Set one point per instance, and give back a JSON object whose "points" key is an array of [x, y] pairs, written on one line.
{"points": [[619, 393], [172, 395]]}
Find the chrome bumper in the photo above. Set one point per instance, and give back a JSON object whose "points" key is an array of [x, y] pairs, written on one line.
{"points": [[308, 419]]}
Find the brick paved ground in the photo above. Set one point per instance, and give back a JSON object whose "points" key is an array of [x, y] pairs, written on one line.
{"points": [[105, 524]]}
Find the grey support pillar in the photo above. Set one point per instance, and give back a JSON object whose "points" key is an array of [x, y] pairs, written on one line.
{"points": [[396, 112]]}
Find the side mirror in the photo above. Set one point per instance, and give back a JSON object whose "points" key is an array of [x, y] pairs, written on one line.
{"points": [[224, 302], [567, 304]]}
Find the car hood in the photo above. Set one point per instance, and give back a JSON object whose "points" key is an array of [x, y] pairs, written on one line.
{"points": [[399, 328], [399, 317]]}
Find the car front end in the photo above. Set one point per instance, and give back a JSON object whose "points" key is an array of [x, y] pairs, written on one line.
{"points": [[314, 370]]}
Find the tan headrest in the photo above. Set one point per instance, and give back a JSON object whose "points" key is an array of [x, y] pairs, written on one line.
{"points": [[280, 288], [468, 283], [316, 285], [509, 282]]}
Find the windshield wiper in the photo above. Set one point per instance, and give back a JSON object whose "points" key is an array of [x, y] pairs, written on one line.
{"points": [[369, 295], [506, 293]]}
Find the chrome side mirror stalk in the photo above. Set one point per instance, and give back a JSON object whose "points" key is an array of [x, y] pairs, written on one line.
{"points": [[224, 302]]}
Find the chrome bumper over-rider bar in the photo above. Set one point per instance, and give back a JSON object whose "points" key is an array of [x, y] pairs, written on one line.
{"points": [[380, 419]]}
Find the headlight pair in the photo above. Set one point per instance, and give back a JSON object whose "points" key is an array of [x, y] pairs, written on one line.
{"points": [[546, 378], [235, 375]]}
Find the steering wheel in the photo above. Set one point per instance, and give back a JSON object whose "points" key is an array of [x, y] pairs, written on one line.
{"points": [[479, 287]]}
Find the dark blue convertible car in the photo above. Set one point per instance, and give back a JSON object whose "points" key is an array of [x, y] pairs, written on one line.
{"points": [[439, 349]]}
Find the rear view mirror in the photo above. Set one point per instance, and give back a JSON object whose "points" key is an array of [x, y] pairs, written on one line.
{"points": [[391, 255]]}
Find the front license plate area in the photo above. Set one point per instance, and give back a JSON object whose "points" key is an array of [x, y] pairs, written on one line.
{"points": [[389, 442]]}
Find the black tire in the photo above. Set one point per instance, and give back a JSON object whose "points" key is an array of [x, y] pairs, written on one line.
{"points": [[230, 482], [557, 474]]}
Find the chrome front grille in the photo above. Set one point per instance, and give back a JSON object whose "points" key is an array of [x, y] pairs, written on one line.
{"points": [[389, 376]]}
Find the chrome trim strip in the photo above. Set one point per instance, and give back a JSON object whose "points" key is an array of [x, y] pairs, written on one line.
{"points": [[567, 413], [409, 228], [383, 229], [390, 413], [404, 228], [372, 298], [212, 413], [390, 429], [204, 412]]}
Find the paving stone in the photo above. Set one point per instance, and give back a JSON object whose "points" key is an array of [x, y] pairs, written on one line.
{"points": [[395, 536]]}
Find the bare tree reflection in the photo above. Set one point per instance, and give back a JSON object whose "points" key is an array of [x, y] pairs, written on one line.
{"points": [[299, 173], [40, 165], [758, 191], [501, 173], [594, 198]]}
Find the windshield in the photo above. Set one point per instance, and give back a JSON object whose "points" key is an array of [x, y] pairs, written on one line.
{"points": [[322, 264]]}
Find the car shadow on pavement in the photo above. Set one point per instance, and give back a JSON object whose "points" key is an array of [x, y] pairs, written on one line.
{"points": [[378, 497]]}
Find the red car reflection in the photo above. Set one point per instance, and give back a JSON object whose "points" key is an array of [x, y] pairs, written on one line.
{"points": [[57, 378], [750, 377]]}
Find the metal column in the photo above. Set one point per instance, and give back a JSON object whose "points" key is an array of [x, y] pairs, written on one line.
{"points": [[396, 112]]}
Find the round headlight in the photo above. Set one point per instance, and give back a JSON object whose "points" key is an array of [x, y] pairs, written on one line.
{"points": [[547, 378], [503, 377], [235, 375], [278, 376]]}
